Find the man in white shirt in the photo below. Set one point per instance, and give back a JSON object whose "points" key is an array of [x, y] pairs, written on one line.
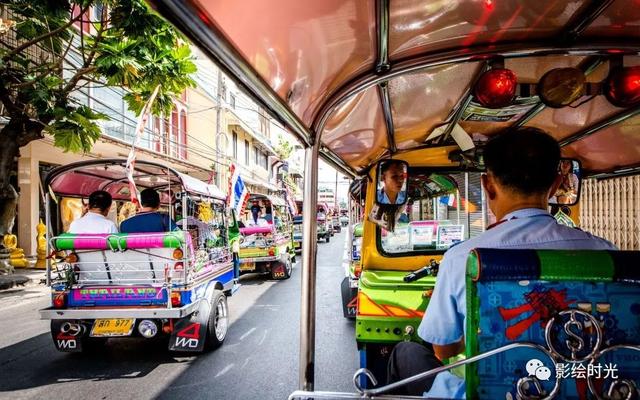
{"points": [[95, 220]]}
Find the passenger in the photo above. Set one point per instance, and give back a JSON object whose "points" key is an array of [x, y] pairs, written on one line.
{"points": [[148, 219], [393, 176], [522, 167], [95, 220], [256, 210]]}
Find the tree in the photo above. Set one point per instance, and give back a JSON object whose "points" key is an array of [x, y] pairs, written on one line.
{"points": [[284, 148], [114, 43]]}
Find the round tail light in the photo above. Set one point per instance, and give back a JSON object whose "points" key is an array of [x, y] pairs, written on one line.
{"points": [[496, 88], [623, 86]]}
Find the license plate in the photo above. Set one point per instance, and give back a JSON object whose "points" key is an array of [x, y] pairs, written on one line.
{"points": [[112, 327], [247, 266]]}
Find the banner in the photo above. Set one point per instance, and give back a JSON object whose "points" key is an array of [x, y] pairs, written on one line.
{"points": [[238, 192], [131, 159]]}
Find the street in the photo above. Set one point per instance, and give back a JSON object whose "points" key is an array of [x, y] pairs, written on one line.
{"points": [[259, 359]]}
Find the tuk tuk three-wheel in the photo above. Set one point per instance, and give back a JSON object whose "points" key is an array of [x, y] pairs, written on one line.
{"points": [[267, 238], [361, 83], [173, 284]]}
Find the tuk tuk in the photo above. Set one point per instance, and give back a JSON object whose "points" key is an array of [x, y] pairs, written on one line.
{"points": [[349, 285], [324, 226], [337, 225], [173, 284], [363, 82], [297, 228], [266, 241]]}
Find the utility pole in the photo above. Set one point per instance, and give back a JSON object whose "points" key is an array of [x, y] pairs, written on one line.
{"points": [[218, 125]]}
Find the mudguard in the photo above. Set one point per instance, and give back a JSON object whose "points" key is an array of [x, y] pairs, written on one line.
{"points": [[189, 333], [63, 340], [349, 299]]}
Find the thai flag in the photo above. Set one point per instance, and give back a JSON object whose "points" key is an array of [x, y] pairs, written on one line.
{"points": [[238, 192], [449, 200]]}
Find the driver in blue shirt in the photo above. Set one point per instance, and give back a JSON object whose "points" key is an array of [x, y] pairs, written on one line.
{"points": [[148, 218], [521, 173], [393, 176]]}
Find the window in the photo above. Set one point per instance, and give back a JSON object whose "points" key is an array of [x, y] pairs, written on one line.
{"points": [[246, 152], [183, 134], [264, 123], [263, 160], [175, 136], [235, 145], [232, 100], [256, 159]]}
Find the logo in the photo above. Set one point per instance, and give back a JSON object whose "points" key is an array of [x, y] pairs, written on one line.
{"points": [[536, 368]]}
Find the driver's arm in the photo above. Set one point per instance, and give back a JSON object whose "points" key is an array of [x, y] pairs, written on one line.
{"points": [[443, 322]]}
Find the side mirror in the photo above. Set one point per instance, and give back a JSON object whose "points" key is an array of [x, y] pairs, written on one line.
{"points": [[566, 190], [391, 178]]}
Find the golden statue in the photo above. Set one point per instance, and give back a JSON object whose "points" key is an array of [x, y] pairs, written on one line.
{"points": [[41, 250], [16, 258]]}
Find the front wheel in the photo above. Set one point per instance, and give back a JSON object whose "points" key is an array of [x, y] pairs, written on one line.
{"points": [[218, 321]]}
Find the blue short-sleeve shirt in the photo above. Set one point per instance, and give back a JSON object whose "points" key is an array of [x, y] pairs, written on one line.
{"points": [[148, 222], [530, 228]]}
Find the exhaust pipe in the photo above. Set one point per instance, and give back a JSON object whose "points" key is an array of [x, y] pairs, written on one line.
{"points": [[72, 329]]}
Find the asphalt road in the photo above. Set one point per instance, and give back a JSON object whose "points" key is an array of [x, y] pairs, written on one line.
{"points": [[259, 359]]}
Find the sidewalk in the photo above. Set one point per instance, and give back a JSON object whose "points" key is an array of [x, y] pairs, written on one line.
{"points": [[23, 282]]}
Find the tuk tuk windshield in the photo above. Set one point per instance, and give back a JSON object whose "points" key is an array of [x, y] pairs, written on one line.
{"points": [[437, 214]]}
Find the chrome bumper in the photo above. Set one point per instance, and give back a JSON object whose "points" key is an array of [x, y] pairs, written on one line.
{"points": [[259, 259], [88, 313]]}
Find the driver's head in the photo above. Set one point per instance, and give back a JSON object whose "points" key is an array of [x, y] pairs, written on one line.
{"points": [[393, 176], [150, 198], [522, 167]]}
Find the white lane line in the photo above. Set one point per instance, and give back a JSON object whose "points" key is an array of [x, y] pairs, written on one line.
{"points": [[264, 336], [248, 333], [225, 370]]}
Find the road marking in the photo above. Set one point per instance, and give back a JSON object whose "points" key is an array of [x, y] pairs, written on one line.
{"points": [[225, 370], [248, 333], [264, 336]]}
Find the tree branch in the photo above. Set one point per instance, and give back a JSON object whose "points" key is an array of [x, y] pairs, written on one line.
{"points": [[76, 78], [44, 35]]}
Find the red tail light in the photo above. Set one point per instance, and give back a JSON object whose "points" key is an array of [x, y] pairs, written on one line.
{"points": [[272, 252], [623, 86], [175, 299], [496, 88], [59, 300], [357, 270]]}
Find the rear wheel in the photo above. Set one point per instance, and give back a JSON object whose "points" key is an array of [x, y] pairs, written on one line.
{"points": [[327, 238], [218, 321]]}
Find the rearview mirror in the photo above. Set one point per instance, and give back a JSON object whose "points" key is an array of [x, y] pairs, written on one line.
{"points": [[391, 188], [566, 189]]}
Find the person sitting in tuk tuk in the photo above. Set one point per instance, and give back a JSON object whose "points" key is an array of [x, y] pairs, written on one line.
{"points": [[148, 219], [393, 179], [95, 219], [521, 170]]}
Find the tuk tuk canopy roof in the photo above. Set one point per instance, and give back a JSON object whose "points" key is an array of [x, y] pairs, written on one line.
{"points": [[82, 178], [372, 78], [276, 201]]}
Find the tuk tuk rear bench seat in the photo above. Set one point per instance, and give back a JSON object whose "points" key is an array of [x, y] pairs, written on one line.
{"points": [[580, 310], [121, 258]]}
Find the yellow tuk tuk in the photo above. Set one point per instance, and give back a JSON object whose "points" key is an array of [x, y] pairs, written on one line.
{"points": [[359, 82]]}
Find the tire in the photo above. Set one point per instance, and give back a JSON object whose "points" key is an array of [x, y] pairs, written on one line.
{"points": [[327, 238], [218, 324]]}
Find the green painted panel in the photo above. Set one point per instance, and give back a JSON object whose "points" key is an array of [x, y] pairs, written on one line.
{"points": [[575, 265]]}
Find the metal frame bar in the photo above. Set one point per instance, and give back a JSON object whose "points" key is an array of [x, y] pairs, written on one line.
{"points": [[578, 23], [309, 248], [219, 48], [605, 123], [385, 100], [382, 31]]}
